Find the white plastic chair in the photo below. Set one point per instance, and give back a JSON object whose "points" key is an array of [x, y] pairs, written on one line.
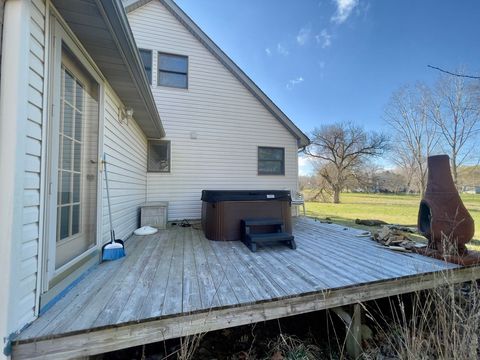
{"points": [[298, 200]]}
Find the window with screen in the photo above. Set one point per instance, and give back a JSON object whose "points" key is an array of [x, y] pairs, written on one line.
{"points": [[271, 161], [146, 56], [173, 70], [158, 156]]}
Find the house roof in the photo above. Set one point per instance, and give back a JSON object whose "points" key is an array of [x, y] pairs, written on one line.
{"points": [[302, 139], [102, 28]]}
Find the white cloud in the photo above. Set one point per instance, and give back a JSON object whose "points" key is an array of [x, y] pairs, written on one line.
{"points": [[268, 51], [282, 50], [294, 82], [305, 166], [344, 10], [324, 39], [304, 35], [302, 161]]}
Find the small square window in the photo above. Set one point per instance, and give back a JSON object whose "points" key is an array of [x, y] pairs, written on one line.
{"points": [[271, 161], [173, 70], [158, 156], [146, 56]]}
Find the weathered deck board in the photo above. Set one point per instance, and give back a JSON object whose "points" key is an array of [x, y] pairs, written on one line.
{"points": [[178, 273], [76, 301], [240, 289], [123, 284], [223, 286], [134, 304], [191, 291], [208, 290], [372, 264], [155, 297], [262, 268], [290, 280], [252, 276], [361, 251], [99, 299], [174, 292]]}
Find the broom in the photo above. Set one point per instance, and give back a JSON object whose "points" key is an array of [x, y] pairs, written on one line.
{"points": [[115, 249]]}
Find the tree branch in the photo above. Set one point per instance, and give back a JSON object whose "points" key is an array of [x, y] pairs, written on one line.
{"points": [[455, 74]]}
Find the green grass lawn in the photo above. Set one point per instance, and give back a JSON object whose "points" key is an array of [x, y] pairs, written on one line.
{"points": [[394, 209]]}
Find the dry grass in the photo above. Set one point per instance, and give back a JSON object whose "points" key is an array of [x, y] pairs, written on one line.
{"points": [[288, 347], [442, 323], [189, 346]]}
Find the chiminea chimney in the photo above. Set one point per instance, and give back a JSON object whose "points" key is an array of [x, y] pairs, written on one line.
{"points": [[442, 215]]}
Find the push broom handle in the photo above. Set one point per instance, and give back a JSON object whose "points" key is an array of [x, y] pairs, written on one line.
{"points": [[112, 234]]}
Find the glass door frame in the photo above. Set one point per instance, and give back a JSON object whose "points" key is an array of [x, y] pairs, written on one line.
{"points": [[60, 36]]}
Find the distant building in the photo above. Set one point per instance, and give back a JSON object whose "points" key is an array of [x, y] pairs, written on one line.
{"points": [[471, 190]]}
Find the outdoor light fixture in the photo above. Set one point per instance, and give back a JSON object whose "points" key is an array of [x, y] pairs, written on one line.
{"points": [[125, 115], [129, 113]]}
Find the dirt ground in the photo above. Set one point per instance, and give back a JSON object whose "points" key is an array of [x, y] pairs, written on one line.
{"points": [[267, 340], [319, 335]]}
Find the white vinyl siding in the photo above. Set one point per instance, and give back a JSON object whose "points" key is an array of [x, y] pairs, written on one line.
{"points": [[126, 145], [126, 148], [26, 290], [2, 6], [229, 123]]}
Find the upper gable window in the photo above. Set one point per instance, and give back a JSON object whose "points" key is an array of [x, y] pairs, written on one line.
{"points": [[146, 56], [173, 70]]}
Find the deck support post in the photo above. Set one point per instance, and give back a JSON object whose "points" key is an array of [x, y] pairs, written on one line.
{"points": [[352, 317]]}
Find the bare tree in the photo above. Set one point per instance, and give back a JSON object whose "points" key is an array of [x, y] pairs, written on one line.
{"points": [[407, 168], [367, 176], [455, 112], [414, 135], [391, 182], [322, 191], [340, 149]]}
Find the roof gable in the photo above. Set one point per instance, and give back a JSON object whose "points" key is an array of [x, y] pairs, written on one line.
{"points": [[195, 30]]}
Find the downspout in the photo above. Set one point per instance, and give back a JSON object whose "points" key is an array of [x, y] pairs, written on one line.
{"points": [[13, 115]]}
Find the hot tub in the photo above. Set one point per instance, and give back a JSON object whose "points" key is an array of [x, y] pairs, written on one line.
{"points": [[223, 210]]}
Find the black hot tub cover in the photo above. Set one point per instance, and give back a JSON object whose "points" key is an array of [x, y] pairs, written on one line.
{"points": [[212, 196]]}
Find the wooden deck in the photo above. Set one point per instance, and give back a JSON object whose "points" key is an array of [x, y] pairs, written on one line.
{"points": [[176, 283]]}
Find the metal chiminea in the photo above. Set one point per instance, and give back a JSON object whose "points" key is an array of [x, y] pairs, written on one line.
{"points": [[442, 217]]}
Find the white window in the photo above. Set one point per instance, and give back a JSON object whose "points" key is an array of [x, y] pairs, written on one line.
{"points": [[158, 156], [172, 70], [271, 161], [146, 56]]}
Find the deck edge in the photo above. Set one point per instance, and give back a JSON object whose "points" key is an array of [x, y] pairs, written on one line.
{"points": [[96, 341]]}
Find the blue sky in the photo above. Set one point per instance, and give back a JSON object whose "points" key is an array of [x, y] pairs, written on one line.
{"points": [[339, 60]]}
